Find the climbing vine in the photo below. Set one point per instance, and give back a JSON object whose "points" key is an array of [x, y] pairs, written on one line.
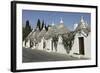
{"points": [[55, 41], [68, 40]]}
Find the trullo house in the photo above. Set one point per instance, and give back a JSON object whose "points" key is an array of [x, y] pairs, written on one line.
{"points": [[58, 38]]}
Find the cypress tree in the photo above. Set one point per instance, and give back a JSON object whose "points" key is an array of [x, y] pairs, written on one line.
{"points": [[38, 24], [26, 30]]}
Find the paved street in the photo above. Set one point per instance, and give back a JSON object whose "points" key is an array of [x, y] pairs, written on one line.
{"points": [[35, 55]]}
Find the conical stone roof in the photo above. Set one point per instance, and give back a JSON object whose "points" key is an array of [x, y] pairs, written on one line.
{"points": [[51, 32], [83, 26], [61, 29], [41, 34]]}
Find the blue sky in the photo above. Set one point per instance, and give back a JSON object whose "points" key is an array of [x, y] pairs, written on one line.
{"points": [[69, 18]]}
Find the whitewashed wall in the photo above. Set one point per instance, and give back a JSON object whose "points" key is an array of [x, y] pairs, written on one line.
{"points": [[23, 43], [87, 44], [60, 46], [40, 46], [28, 44], [48, 45], [75, 47]]}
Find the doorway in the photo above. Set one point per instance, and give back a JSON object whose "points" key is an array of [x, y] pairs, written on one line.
{"points": [[44, 45], [52, 45], [81, 45]]}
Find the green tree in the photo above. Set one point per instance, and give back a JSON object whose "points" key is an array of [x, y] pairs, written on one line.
{"points": [[42, 25], [23, 32], [68, 40], [26, 30], [55, 41], [38, 24], [28, 27], [46, 27]]}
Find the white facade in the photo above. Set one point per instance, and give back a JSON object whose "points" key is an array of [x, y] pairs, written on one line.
{"points": [[87, 46], [40, 47], [28, 44], [49, 45], [60, 46]]}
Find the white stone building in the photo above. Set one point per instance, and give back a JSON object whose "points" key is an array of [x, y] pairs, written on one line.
{"points": [[52, 40], [82, 41]]}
